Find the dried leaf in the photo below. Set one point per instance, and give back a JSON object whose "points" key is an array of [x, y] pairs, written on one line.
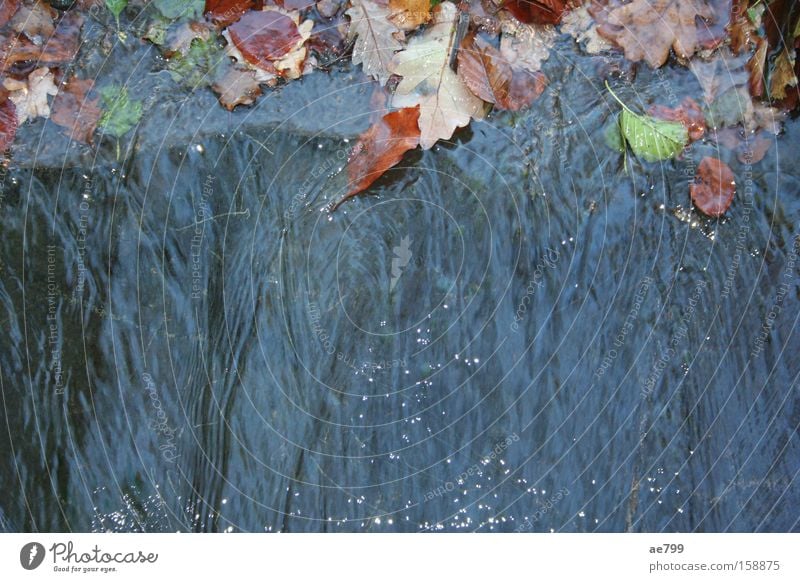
{"points": [[376, 38], [783, 76], [381, 147], [8, 122], [714, 187], [237, 86], [75, 111], [225, 12], [409, 14], [428, 81], [536, 11], [647, 29], [30, 96]]}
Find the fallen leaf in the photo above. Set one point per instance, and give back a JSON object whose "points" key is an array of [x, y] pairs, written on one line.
{"points": [[489, 76], [536, 11], [649, 138], [783, 76], [196, 65], [714, 187], [755, 67], [75, 111], [263, 36], [225, 12], [59, 48], [116, 7], [580, 25], [174, 9], [8, 122], [687, 113], [409, 14], [30, 96], [7, 9], [178, 39], [381, 147], [237, 86], [376, 38], [749, 149], [36, 21], [647, 29], [526, 46], [121, 114], [428, 81]]}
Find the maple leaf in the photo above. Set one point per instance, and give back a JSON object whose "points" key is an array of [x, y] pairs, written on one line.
{"points": [[647, 29], [30, 96], [377, 38], [75, 111], [381, 147], [428, 81], [714, 187]]}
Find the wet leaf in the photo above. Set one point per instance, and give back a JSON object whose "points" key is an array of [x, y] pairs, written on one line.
{"points": [[238, 86], [536, 11], [647, 29], [263, 36], [75, 111], [116, 7], [687, 113], [173, 9], [714, 187], [30, 96], [428, 81], [36, 21], [8, 121], [7, 9], [783, 77], [376, 38], [649, 138], [225, 12], [409, 14], [526, 46], [580, 25], [121, 114], [59, 48], [196, 65], [381, 147]]}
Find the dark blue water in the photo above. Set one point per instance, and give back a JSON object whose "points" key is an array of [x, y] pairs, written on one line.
{"points": [[509, 333]]}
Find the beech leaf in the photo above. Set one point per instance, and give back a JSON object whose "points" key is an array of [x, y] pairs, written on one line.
{"points": [[376, 38], [428, 81], [381, 147], [714, 187], [121, 113]]}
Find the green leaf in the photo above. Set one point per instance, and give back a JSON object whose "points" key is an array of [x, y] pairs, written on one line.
{"points": [[650, 138], [116, 7], [121, 114], [613, 135], [180, 8], [198, 66], [653, 139]]}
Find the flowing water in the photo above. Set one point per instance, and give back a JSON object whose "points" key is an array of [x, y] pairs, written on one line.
{"points": [[508, 333]]}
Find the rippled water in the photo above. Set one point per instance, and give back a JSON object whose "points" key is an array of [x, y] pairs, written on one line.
{"points": [[510, 333]]}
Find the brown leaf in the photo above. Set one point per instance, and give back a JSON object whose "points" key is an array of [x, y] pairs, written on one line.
{"points": [[7, 9], [688, 113], [381, 147], [755, 67], [783, 76], [714, 187], [536, 11], [409, 14], [179, 38], [749, 149], [61, 47], [36, 20], [225, 12], [237, 86], [483, 69], [264, 36], [647, 29], [8, 122], [525, 88], [75, 111]]}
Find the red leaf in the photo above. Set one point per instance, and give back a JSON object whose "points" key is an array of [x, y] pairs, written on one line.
{"points": [[381, 147], [8, 122], [225, 12], [264, 36], [689, 114], [7, 10], [714, 187], [537, 11], [75, 112]]}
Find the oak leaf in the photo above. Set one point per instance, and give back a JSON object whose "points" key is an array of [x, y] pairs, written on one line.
{"points": [[714, 187], [30, 96], [428, 81], [377, 38]]}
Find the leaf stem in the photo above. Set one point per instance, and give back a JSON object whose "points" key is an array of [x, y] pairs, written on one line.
{"points": [[618, 100]]}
